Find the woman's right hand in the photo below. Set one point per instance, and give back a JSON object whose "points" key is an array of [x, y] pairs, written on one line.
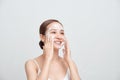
{"points": [[48, 47]]}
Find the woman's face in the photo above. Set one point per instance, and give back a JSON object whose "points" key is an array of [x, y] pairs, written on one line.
{"points": [[56, 31]]}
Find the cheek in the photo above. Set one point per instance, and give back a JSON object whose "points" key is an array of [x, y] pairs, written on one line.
{"points": [[63, 37], [52, 35]]}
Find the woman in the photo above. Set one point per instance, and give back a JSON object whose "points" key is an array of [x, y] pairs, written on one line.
{"points": [[49, 65]]}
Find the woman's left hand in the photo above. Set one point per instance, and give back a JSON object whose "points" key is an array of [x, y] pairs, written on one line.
{"points": [[66, 51], [72, 67]]}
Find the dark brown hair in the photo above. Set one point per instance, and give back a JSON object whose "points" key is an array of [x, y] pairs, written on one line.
{"points": [[43, 28]]}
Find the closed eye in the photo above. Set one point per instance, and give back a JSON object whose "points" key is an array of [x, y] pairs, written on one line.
{"points": [[62, 33], [53, 32]]}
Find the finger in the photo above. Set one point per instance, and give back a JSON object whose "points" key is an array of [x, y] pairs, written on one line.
{"points": [[63, 50], [47, 40], [65, 39], [52, 40], [48, 31], [65, 42], [66, 45]]}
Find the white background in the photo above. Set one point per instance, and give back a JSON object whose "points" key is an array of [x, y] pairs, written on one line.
{"points": [[92, 27]]}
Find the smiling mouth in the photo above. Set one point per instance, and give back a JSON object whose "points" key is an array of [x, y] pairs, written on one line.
{"points": [[58, 42]]}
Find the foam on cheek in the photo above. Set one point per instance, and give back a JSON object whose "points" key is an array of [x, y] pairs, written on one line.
{"points": [[49, 35], [48, 32]]}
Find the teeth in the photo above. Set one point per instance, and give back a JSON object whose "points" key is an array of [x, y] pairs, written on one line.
{"points": [[58, 42]]}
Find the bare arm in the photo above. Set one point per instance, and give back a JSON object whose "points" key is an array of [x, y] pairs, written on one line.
{"points": [[73, 70], [72, 66], [30, 68]]}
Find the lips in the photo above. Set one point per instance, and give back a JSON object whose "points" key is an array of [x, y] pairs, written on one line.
{"points": [[58, 42]]}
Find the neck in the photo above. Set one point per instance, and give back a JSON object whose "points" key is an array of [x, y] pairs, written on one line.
{"points": [[55, 55]]}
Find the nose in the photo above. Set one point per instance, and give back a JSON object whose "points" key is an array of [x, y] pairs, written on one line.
{"points": [[59, 36]]}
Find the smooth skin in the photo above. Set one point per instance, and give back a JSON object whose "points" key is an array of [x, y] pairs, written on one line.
{"points": [[51, 65]]}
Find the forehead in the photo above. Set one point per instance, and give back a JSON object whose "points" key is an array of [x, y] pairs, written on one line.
{"points": [[55, 25]]}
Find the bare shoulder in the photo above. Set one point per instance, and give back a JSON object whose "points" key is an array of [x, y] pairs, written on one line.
{"points": [[29, 64], [30, 69]]}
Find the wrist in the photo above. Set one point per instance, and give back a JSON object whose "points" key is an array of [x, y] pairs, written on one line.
{"points": [[69, 60], [47, 58], [47, 62]]}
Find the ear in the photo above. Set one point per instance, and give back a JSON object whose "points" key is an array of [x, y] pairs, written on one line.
{"points": [[42, 37]]}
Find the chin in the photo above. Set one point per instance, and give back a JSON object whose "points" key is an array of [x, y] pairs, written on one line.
{"points": [[57, 47]]}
